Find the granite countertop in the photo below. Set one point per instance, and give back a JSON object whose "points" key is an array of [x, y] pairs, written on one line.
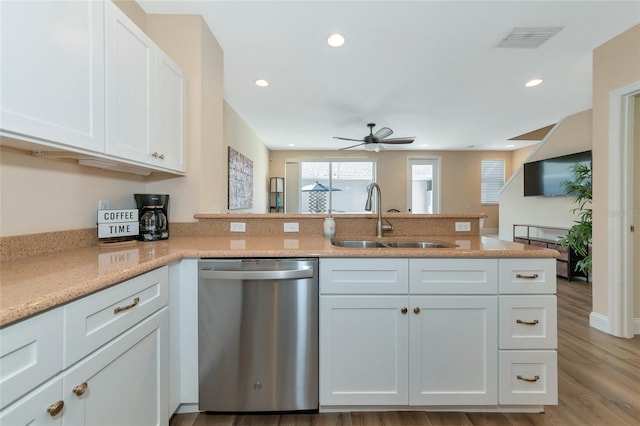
{"points": [[34, 284]]}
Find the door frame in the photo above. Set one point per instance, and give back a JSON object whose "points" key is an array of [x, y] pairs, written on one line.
{"points": [[436, 180], [620, 238]]}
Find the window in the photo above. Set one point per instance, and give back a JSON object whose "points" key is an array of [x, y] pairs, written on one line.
{"points": [[492, 181], [348, 181]]}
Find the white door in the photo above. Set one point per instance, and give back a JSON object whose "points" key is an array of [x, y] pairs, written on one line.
{"points": [[363, 350], [123, 383], [52, 69], [423, 185], [453, 351], [131, 67], [169, 147]]}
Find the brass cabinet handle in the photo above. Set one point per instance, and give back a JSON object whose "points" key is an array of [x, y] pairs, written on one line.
{"points": [[527, 277], [124, 308], [80, 389], [55, 408], [526, 379], [534, 322], [404, 310], [161, 156], [416, 310]]}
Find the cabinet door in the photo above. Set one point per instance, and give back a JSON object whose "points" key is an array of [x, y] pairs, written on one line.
{"points": [[33, 409], [124, 382], [131, 64], [52, 70], [169, 151], [363, 350], [453, 353]]}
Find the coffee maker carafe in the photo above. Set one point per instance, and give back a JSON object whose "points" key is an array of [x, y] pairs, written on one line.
{"points": [[153, 216]]}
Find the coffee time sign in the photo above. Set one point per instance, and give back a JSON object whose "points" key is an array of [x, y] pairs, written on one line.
{"points": [[118, 223]]}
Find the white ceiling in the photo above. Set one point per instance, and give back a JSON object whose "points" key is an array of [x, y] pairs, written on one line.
{"points": [[428, 69]]}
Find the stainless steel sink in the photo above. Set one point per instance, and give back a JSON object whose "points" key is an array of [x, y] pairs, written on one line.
{"points": [[389, 244], [357, 243]]}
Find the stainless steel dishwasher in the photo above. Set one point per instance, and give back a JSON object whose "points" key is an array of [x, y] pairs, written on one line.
{"points": [[258, 335]]}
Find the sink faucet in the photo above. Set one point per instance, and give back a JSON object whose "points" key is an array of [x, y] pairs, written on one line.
{"points": [[379, 226]]}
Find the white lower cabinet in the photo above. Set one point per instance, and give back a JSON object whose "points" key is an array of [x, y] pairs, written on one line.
{"points": [[117, 372], [453, 353], [363, 350], [430, 337], [123, 383]]}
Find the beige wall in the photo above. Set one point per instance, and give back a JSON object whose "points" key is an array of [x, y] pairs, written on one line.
{"points": [[240, 137], [615, 65], [460, 176], [519, 156], [573, 134]]}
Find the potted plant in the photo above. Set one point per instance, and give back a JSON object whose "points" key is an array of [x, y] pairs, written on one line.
{"points": [[579, 236]]}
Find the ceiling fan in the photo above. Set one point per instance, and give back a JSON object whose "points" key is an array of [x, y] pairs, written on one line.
{"points": [[379, 137]]}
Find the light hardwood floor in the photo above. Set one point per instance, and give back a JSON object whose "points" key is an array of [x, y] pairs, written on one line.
{"points": [[598, 380]]}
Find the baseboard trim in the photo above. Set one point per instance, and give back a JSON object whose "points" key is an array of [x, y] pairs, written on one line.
{"points": [[187, 408], [599, 322]]}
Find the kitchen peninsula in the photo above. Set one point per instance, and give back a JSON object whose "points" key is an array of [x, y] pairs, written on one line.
{"points": [[476, 286]]}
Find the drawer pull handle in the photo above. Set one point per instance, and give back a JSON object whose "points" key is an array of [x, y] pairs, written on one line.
{"points": [[534, 322], [404, 310], [124, 308], [55, 408], [535, 378], [527, 277], [80, 389]]}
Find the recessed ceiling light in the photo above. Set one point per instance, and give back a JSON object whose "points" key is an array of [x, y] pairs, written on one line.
{"points": [[261, 82], [510, 146], [292, 144], [533, 82], [424, 145], [335, 40]]}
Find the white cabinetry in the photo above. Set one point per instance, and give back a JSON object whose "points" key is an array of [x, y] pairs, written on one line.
{"points": [[115, 359], [528, 332], [145, 97], [383, 345], [52, 69], [80, 76]]}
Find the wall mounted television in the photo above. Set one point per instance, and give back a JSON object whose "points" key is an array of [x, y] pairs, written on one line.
{"points": [[545, 177]]}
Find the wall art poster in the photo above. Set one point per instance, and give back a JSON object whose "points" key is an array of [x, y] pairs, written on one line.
{"points": [[240, 181]]}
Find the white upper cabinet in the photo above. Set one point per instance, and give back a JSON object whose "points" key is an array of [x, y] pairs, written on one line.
{"points": [[145, 97], [52, 72]]}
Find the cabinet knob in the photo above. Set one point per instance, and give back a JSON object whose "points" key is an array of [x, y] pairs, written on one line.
{"points": [[80, 389], [55, 408], [404, 310], [416, 310], [154, 154], [161, 156]]}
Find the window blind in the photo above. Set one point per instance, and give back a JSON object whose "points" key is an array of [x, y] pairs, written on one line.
{"points": [[492, 181]]}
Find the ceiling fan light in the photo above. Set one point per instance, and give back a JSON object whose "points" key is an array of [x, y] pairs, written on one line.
{"points": [[335, 40], [533, 83], [261, 82]]}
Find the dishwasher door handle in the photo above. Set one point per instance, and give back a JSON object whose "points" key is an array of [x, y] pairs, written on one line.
{"points": [[290, 274]]}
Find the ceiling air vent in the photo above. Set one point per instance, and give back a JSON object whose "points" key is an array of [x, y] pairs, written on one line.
{"points": [[528, 37]]}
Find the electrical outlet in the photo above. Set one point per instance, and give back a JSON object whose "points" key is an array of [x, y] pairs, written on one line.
{"points": [[104, 205], [238, 227], [463, 226], [291, 227]]}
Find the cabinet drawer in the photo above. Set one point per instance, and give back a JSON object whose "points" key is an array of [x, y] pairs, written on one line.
{"points": [[528, 377], [30, 353], [94, 320], [364, 276], [527, 276], [453, 276], [528, 322]]}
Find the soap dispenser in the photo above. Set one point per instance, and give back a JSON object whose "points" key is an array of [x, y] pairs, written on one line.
{"points": [[329, 227]]}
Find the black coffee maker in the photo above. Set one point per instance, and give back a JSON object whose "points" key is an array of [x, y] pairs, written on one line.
{"points": [[153, 216]]}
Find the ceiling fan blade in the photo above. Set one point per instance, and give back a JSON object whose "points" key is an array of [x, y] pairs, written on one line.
{"points": [[398, 141], [383, 133], [347, 139], [352, 146]]}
